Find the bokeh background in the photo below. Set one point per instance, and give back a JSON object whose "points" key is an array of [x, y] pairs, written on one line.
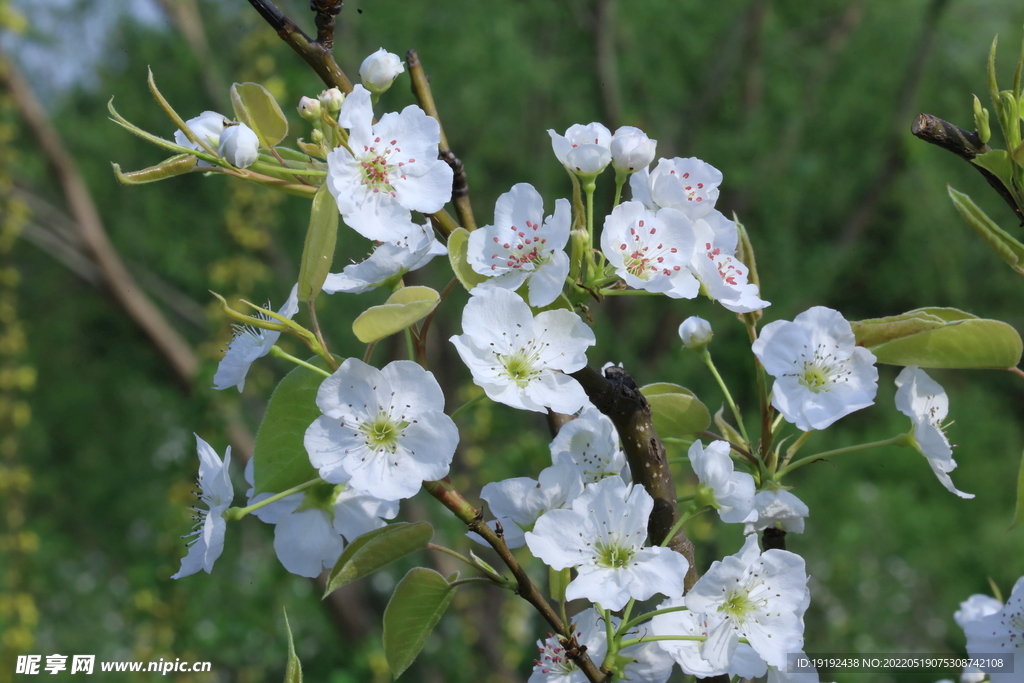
{"points": [[804, 106]]}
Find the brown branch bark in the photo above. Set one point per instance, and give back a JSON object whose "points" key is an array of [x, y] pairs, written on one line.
{"points": [[965, 144], [315, 53], [122, 285], [616, 395]]}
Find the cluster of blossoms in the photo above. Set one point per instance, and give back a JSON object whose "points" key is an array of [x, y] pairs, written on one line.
{"points": [[381, 433]]}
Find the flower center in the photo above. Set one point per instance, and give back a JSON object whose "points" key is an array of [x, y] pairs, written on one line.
{"points": [[377, 168], [521, 366], [738, 605], [381, 432], [725, 265], [641, 257], [553, 659], [612, 556], [823, 370], [523, 251]]}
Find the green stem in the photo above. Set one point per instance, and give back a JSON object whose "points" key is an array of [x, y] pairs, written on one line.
{"points": [[626, 625], [588, 189], [471, 579], [468, 404], [410, 346], [706, 357], [620, 180], [628, 292], [898, 440], [238, 513], [278, 352], [683, 519], [648, 639], [369, 351], [287, 170]]}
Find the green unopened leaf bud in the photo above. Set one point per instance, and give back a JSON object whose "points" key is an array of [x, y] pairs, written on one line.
{"points": [[981, 121], [331, 100], [696, 333], [309, 109], [379, 71]]}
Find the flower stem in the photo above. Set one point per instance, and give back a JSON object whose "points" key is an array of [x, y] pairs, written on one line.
{"points": [[278, 352], [706, 357], [898, 440], [647, 639], [238, 513], [626, 625], [683, 519], [468, 404], [620, 180]]}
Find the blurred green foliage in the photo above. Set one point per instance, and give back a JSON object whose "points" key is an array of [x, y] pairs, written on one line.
{"points": [[805, 108]]}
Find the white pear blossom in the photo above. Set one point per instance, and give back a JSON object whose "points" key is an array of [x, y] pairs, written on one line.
{"points": [[591, 444], [379, 70], [584, 150], [388, 169], [976, 607], [820, 372], [207, 127], [517, 503], [216, 492], [631, 149], [924, 401], [602, 536], [313, 526], [758, 596], [381, 430], [521, 360], [779, 510], [689, 185], [1001, 633], [331, 100], [725, 278], [744, 662], [387, 261], [239, 145], [522, 246], [250, 344], [696, 333], [730, 492], [650, 664], [651, 251]]}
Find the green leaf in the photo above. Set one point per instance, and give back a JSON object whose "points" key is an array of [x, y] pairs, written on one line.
{"points": [[940, 338], [997, 162], [256, 107], [1018, 517], [420, 599], [281, 461], [375, 549], [558, 579], [402, 309], [1008, 248], [677, 411], [730, 433], [458, 245], [293, 672], [168, 168], [318, 252]]}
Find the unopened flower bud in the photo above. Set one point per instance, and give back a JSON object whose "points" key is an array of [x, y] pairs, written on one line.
{"points": [[309, 109], [331, 100], [695, 333], [632, 150], [207, 127], [584, 150], [239, 145], [981, 121], [379, 71], [318, 136]]}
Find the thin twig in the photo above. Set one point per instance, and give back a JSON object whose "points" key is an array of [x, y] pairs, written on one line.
{"points": [[460, 186], [314, 52]]}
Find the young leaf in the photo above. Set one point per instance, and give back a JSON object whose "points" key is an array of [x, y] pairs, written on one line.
{"points": [[281, 461], [168, 168], [1008, 248], [677, 411], [293, 673], [419, 601], [402, 309], [318, 251], [458, 245], [375, 549], [256, 107], [940, 338]]}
